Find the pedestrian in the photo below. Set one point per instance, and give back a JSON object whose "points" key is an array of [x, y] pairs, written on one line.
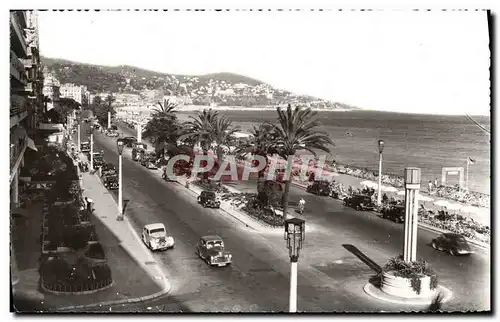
{"points": [[435, 183], [430, 185], [90, 203]]}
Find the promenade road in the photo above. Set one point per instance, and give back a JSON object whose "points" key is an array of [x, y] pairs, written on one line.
{"points": [[258, 280], [330, 277]]}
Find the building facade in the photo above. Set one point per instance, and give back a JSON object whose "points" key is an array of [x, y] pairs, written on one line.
{"points": [[51, 89], [26, 91], [76, 92]]}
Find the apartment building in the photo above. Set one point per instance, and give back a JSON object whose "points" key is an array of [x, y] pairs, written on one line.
{"points": [[77, 92], [51, 89], [26, 92]]}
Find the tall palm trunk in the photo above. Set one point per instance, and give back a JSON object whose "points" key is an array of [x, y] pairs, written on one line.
{"points": [[287, 187]]}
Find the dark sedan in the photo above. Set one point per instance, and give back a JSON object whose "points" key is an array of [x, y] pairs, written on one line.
{"points": [[455, 244]]}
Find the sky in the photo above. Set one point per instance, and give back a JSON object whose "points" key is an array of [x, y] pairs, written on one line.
{"points": [[416, 62]]}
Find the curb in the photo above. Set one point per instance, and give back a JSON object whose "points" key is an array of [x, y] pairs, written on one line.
{"points": [[378, 294], [166, 284]]}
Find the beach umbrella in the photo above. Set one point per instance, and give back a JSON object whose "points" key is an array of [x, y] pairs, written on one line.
{"points": [[424, 198], [367, 183], [470, 210], [442, 203], [389, 189], [454, 206]]}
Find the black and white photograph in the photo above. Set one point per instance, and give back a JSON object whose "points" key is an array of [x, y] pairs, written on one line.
{"points": [[250, 161]]}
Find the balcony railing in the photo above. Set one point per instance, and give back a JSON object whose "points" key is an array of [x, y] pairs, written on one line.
{"points": [[19, 30], [17, 68], [15, 150]]}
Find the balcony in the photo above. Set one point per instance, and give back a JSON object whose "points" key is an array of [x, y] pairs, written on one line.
{"points": [[17, 70], [17, 35], [18, 109]]}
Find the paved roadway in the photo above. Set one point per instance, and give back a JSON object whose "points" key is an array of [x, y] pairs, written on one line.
{"points": [[468, 277], [330, 277]]}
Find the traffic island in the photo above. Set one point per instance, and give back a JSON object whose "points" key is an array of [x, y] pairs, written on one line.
{"points": [[413, 283]]}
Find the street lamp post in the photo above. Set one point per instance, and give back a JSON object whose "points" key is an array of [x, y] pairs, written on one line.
{"points": [[109, 120], [139, 133], [91, 148], [120, 144], [380, 150], [295, 234], [78, 138]]}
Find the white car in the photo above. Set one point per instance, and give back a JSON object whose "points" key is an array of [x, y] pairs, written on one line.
{"points": [[155, 237]]}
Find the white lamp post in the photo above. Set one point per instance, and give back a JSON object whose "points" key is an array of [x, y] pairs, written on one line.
{"points": [[294, 235], [120, 144], [380, 150], [78, 138], [91, 130], [139, 133]]}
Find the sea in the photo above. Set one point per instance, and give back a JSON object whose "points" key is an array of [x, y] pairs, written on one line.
{"points": [[429, 142]]}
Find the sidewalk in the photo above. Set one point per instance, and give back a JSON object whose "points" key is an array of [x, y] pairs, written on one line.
{"points": [[135, 274]]}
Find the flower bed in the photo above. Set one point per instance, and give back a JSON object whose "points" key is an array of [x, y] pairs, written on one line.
{"points": [[416, 272], [59, 276], [211, 186]]}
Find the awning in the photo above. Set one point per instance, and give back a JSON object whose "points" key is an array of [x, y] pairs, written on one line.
{"points": [[31, 144]]}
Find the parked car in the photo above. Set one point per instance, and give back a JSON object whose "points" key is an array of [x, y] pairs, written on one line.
{"points": [[155, 237], [453, 243], [320, 188], [360, 202], [211, 250], [108, 169], [98, 159], [137, 153], [85, 147], [209, 199], [110, 182], [111, 133], [395, 213], [148, 160], [128, 141]]}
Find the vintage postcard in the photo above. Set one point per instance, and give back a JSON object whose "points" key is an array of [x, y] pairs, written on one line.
{"points": [[274, 161]]}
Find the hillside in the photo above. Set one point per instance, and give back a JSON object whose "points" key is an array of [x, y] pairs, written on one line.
{"points": [[222, 89]]}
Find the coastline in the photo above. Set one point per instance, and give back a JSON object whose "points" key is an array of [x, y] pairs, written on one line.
{"points": [[196, 108]]}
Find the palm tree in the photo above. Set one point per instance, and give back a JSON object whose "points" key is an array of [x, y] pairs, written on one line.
{"points": [[261, 144], [163, 127], [297, 130], [201, 130], [168, 107], [222, 135]]}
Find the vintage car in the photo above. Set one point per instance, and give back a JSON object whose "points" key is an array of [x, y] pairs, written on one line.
{"points": [[453, 243], [209, 199], [138, 149], [110, 182], [211, 250], [128, 141], [98, 159], [320, 188], [108, 169], [395, 213], [155, 237], [148, 160], [360, 202], [111, 133], [85, 147]]}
